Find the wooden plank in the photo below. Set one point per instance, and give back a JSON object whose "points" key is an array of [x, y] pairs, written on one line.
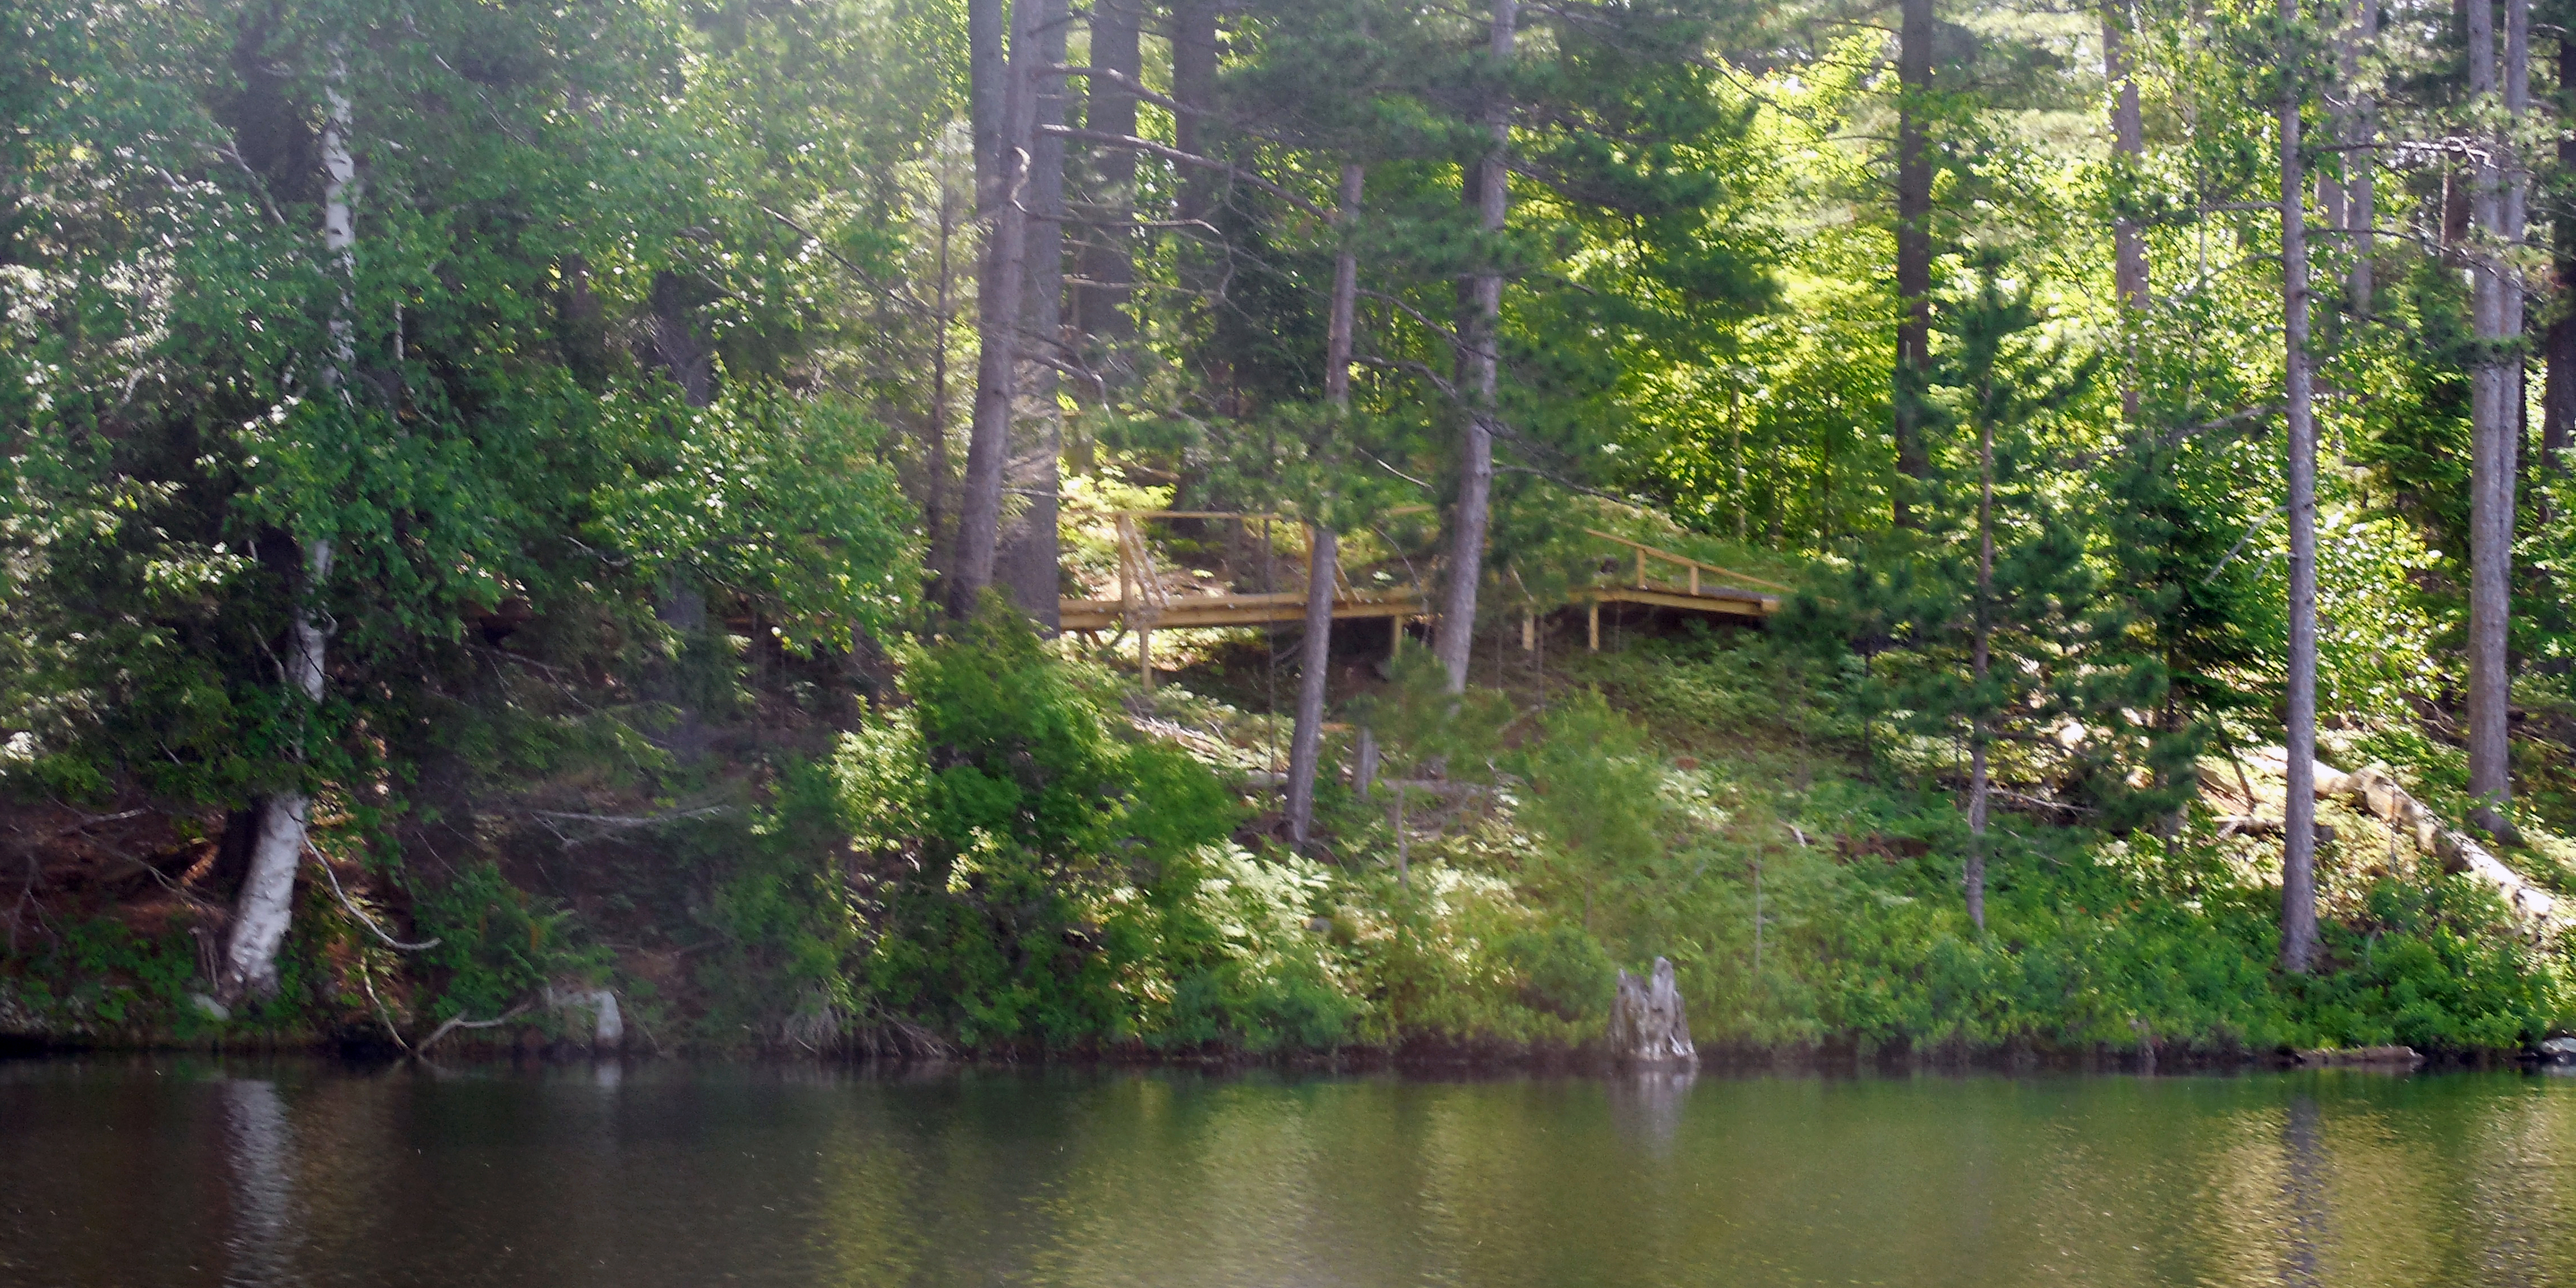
{"points": [[1738, 605], [1232, 610]]}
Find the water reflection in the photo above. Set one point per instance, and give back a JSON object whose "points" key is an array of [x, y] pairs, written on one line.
{"points": [[2303, 1192], [259, 1156], [1648, 1104], [175, 1172]]}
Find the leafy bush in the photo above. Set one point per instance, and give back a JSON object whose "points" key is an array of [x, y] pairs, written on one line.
{"points": [[498, 945]]}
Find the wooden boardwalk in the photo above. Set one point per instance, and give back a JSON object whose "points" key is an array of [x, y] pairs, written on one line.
{"points": [[1146, 603]]}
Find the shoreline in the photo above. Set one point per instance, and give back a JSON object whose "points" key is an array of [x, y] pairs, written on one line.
{"points": [[1418, 1058]]}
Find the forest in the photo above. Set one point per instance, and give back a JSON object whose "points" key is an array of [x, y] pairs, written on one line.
{"points": [[1210, 530]]}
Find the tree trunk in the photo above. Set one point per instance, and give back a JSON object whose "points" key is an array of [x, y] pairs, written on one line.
{"points": [[1647, 1024], [997, 319], [2129, 146], [987, 95], [1305, 746], [1028, 560], [265, 907], [1913, 250], [1107, 263], [1482, 331], [1980, 664], [2494, 425], [1194, 88], [2299, 844], [2558, 408]]}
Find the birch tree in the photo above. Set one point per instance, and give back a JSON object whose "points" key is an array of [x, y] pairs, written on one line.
{"points": [[265, 905]]}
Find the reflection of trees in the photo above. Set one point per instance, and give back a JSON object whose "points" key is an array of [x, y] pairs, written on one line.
{"points": [[2303, 1192], [259, 1155]]}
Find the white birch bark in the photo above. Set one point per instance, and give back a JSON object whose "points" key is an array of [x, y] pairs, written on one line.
{"points": [[265, 907]]}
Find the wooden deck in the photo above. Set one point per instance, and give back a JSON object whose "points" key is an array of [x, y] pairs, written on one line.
{"points": [[1147, 604], [1180, 611]]}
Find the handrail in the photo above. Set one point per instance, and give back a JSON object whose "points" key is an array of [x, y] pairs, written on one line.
{"points": [[1686, 561]]}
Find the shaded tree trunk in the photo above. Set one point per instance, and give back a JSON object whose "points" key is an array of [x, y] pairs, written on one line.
{"points": [[987, 92], [1980, 664], [1481, 372], [1028, 560], [1194, 88], [2494, 428], [2299, 812], [2558, 409], [1913, 250], [999, 294], [265, 907], [1305, 745], [1107, 263]]}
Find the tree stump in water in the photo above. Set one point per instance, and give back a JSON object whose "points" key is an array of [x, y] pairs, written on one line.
{"points": [[1647, 1027]]}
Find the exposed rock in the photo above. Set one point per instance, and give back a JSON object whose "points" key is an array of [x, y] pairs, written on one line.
{"points": [[1647, 1027], [608, 1027], [2558, 1050], [2378, 1057]]}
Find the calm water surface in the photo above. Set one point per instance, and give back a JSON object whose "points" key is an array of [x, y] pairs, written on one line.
{"points": [[195, 1171]]}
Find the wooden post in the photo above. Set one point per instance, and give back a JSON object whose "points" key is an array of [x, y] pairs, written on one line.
{"points": [[1641, 568], [1592, 625], [1529, 632], [1694, 571], [1145, 654]]}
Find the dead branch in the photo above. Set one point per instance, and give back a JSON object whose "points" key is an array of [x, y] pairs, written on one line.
{"points": [[351, 907], [460, 1022]]}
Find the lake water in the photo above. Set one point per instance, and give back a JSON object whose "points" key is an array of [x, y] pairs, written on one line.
{"points": [[192, 1170]]}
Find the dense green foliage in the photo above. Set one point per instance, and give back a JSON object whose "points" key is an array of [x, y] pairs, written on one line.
{"points": [[635, 424]]}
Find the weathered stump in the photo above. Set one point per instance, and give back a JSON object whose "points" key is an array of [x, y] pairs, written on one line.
{"points": [[1647, 1027]]}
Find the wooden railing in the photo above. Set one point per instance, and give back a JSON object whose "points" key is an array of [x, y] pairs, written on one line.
{"points": [[1693, 566]]}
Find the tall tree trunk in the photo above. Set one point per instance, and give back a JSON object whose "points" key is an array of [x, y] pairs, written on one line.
{"points": [[2128, 144], [1305, 746], [1194, 88], [265, 906], [997, 320], [2558, 409], [1980, 664], [1482, 331], [1107, 263], [2493, 428], [987, 93], [1913, 250], [2299, 811], [1028, 561]]}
